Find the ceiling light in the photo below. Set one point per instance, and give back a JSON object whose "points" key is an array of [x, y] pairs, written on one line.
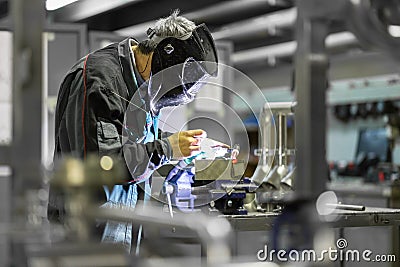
{"points": [[56, 4]]}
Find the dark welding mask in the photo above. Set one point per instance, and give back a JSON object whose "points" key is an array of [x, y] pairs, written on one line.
{"points": [[180, 66]]}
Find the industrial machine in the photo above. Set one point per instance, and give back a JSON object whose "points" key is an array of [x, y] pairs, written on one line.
{"points": [[275, 184], [217, 181], [210, 181]]}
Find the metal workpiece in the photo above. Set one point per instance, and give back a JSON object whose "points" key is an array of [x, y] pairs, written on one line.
{"points": [[273, 165], [212, 232], [226, 191], [218, 169], [345, 206], [280, 110], [204, 181], [271, 192], [273, 178]]}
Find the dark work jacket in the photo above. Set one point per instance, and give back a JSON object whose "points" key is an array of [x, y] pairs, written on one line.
{"points": [[89, 119]]}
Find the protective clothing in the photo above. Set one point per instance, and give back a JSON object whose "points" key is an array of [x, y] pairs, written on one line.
{"points": [[90, 110]]}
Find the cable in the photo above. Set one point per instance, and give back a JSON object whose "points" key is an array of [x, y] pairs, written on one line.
{"points": [[147, 63]]}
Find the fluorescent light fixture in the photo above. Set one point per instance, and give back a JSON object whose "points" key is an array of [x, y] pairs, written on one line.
{"points": [[394, 30], [56, 4]]}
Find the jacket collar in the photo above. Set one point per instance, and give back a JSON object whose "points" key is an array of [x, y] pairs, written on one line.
{"points": [[125, 58], [141, 99]]}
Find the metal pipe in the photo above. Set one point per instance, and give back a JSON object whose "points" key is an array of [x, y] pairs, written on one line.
{"points": [[213, 232], [288, 49], [268, 24], [231, 8], [345, 206], [287, 181], [228, 8], [28, 20], [266, 133], [27, 24], [370, 29], [84, 9], [281, 107], [266, 153]]}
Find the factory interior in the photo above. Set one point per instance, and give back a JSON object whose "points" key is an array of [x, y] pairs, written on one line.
{"points": [[307, 98]]}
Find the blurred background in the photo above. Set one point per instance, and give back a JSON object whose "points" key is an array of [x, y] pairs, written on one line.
{"points": [[261, 42]]}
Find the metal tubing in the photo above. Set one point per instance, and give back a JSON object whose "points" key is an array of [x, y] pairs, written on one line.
{"points": [[28, 18], [345, 206], [263, 166], [287, 49], [281, 107]]}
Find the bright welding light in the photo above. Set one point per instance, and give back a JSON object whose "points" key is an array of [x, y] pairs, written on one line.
{"points": [[56, 4]]}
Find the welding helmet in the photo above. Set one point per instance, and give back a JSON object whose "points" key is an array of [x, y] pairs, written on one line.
{"points": [[180, 67]]}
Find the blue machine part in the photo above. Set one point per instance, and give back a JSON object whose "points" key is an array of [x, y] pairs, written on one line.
{"points": [[181, 179]]}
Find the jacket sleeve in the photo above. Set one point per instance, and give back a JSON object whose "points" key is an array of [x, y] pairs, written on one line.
{"points": [[103, 132], [164, 135]]}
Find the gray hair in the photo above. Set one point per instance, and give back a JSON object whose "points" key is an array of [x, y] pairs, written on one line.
{"points": [[171, 26]]}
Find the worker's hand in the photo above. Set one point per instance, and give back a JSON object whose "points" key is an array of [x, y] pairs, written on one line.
{"points": [[184, 143]]}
